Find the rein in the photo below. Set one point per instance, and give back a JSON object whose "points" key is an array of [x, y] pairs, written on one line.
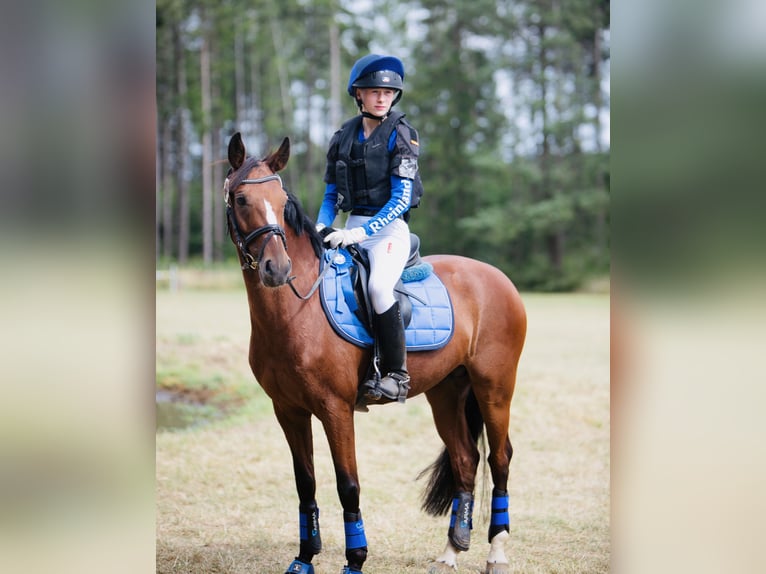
{"points": [[314, 287], [269, 230]]}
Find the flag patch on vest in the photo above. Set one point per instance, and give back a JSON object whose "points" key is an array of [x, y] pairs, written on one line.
{"points": [[408, 168]]}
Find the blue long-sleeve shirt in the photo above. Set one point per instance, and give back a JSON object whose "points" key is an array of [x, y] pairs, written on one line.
{"points": [[399, 203]]}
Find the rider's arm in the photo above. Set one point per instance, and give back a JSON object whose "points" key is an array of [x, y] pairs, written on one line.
{"points": [[329, 208]]}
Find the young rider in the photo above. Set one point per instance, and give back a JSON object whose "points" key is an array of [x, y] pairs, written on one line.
{"points": [[372, 171]]}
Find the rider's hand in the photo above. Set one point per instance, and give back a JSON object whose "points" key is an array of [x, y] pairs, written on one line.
{"points": [[345, 237]]}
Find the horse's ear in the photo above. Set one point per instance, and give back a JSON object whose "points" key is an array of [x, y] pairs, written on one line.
{"points": [[237, 152], [278, 160]]}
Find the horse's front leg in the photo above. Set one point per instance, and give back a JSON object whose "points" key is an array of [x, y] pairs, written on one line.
{"points": [[296, 424], [338, 423]]}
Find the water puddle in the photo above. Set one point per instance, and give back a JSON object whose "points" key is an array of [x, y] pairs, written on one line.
{"points": [[174, 412]]}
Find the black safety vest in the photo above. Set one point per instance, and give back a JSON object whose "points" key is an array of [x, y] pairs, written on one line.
{"points": [[361, 171]]}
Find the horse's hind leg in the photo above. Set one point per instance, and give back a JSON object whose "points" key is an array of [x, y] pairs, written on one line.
{"points": [[494, 401], [297, 428], [454, 474]]}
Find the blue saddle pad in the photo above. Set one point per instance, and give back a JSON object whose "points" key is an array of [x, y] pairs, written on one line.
{"points": [[432, 320]]}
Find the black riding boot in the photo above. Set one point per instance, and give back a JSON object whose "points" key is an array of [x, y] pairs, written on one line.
{"points": [[393, 363]]}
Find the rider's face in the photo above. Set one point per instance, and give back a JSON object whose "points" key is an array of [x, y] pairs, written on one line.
{"points": [[376, 101]]}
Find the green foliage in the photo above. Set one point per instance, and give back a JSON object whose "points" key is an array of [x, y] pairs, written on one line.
{"points": [[511, 229]]}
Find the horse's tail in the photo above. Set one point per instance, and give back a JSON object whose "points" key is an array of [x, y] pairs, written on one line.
{"points": [[440, 489]]}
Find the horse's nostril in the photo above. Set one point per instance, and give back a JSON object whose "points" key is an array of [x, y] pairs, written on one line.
{"points": [[275, 272]]}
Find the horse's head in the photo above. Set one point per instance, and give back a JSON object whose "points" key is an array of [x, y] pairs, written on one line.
{"points": [[256, 203]]}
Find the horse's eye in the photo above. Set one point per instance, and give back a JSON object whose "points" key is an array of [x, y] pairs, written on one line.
{"points": [[241, 200]]}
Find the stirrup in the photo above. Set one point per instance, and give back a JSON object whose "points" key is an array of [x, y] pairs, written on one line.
{"points": [[374, 388]]}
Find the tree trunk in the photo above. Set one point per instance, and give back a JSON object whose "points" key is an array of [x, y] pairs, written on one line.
{"points": [[164, 215], [207, 156], [257, 133], [310, 79], [166, 141], [181, 156], [284, 89], [335, 81], [239, 79], [158, 195], [601, 228], [554, 240], [217, 180]]}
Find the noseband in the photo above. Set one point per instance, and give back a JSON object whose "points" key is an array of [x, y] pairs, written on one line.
{"points": [[269, 230]]}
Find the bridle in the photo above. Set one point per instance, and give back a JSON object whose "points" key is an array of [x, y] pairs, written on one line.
{"points": [[269, 230]]}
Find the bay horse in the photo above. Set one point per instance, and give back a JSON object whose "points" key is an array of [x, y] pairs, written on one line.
{"points": [[308, 370]]}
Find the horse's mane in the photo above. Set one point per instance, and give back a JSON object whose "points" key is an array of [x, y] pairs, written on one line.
{"points": [[299, 222], [295, 215]]}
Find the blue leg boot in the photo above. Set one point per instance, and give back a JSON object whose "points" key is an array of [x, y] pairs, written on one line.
{"points": [[298, 567]]}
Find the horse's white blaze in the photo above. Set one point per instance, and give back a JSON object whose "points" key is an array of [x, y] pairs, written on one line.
{"points": [[271, 216]]}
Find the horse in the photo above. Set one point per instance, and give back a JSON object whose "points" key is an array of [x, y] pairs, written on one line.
{"points": [[308, 370]]}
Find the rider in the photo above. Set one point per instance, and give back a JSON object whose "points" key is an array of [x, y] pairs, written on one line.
{"points": [[372, 171]]}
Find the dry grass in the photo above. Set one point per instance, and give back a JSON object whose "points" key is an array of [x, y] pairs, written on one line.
{"points": [[226, 499]]}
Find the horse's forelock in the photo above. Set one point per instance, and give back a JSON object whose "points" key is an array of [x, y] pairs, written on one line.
{"points": [[236, 178]]}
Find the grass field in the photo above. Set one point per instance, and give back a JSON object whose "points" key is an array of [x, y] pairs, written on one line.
{"points": [[225, 494]]}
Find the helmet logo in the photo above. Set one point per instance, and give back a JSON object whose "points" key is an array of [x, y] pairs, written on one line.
{"points": [[385, 79]]}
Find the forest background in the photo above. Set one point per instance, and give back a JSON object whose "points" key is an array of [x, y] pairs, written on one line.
{"points": [[510, 98]]}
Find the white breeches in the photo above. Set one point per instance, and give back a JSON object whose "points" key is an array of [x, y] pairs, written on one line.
{"points": [[389, 250]]}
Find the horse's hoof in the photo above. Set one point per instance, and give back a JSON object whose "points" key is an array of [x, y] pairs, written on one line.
{"points": [[496, 568], [441, 568]]}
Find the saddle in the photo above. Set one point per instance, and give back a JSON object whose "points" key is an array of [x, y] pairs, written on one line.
{"points": [[423, 299], [360, 274]]}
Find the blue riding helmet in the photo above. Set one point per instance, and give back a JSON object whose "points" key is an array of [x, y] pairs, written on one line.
{"points": [[375, 71]]}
